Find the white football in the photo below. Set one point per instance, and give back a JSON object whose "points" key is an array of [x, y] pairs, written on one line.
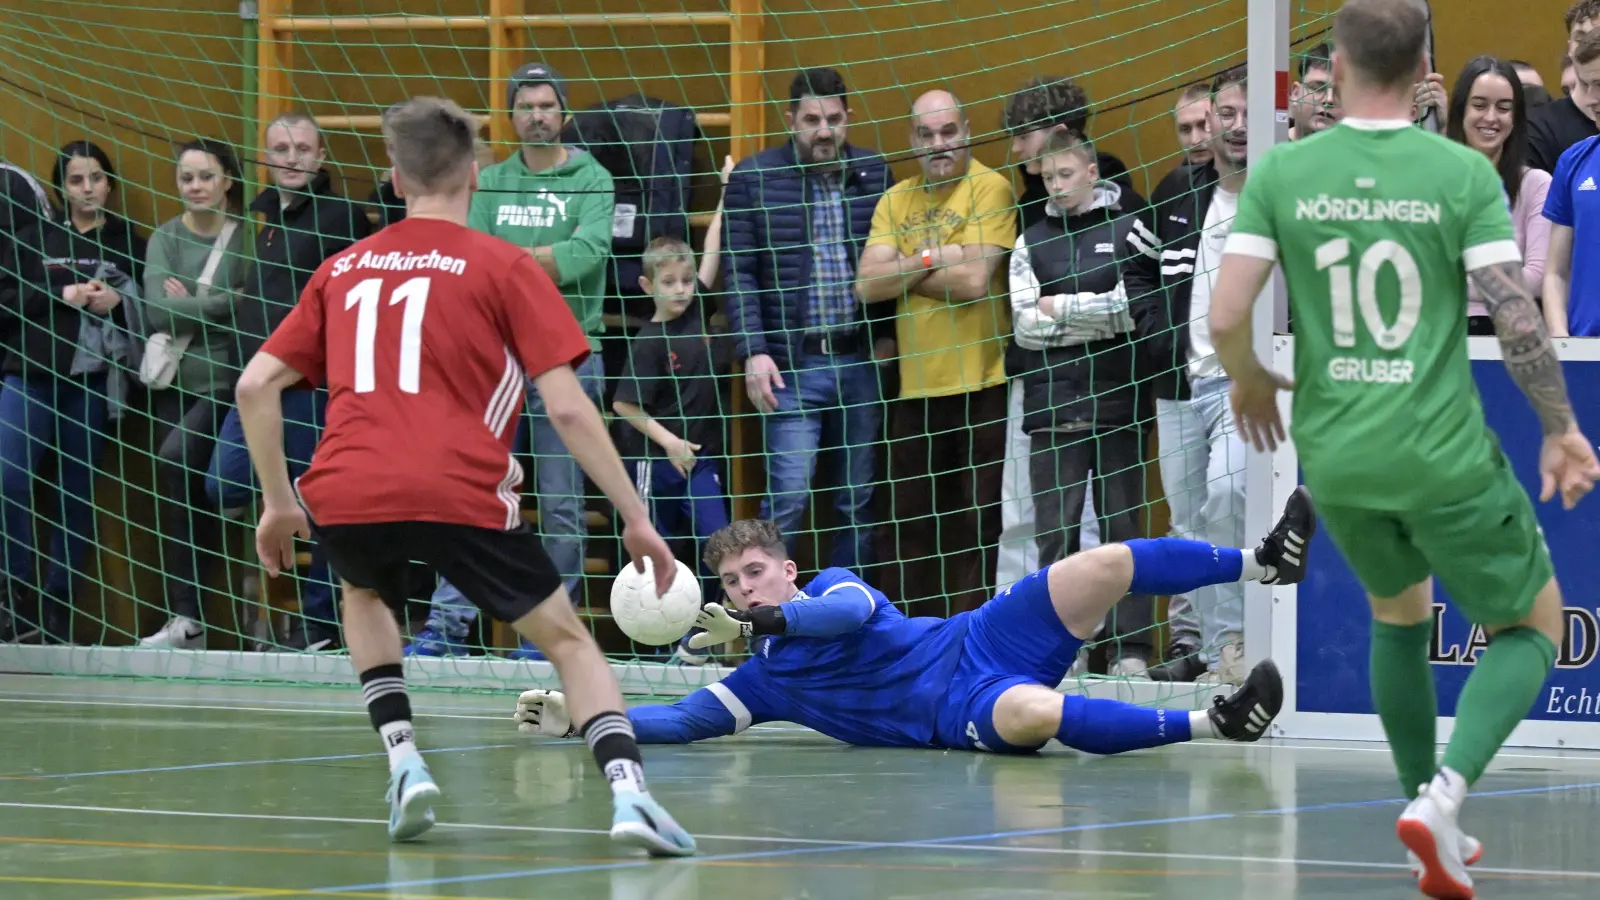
{"points": [[647, 618]]}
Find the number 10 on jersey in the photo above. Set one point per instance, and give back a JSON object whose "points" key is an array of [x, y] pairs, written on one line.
{"points": [[365, 296], [1347, 296]]}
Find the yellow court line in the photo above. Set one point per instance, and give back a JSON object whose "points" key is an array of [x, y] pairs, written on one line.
{"points": [[207, 890], [295, 851], [107, 882]]}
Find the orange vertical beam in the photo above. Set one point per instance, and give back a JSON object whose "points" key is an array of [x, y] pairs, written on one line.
{"points": [[505, 54], [747, 133], [747, 64], [274, 63]]}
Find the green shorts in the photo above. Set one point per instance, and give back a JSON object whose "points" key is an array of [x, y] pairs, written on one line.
{"points": [[1486, 551]]}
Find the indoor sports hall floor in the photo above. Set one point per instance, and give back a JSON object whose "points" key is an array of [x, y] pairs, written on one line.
{"points": [[145, 789]]}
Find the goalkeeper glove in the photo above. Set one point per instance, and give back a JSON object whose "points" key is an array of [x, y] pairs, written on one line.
{"points": [[723, 625], [543, 712]]}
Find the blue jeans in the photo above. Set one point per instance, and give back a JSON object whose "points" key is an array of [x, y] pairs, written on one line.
{"points": [[700, 501], [231, 480], [558, 487], [826, 402], [1203, 471], [40, 414]]}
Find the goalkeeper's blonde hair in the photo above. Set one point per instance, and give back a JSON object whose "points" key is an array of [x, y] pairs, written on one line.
{"points": [[745, 534]]}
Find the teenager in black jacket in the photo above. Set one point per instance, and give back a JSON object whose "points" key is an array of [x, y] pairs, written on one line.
{"points": [[1073, 350], [69, 327]]}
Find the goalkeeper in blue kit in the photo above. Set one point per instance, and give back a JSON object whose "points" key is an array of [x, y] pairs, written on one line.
{"points": [[837, 657]]}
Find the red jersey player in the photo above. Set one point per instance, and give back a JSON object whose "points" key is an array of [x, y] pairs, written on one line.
{"points": [[423, 334]]}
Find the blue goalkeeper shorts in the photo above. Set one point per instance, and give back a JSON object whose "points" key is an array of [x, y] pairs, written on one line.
{"points": [[1016, 638]]}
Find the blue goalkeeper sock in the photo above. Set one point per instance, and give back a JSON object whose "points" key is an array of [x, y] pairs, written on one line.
{"points": [[1111, 726], [1177, 566]]}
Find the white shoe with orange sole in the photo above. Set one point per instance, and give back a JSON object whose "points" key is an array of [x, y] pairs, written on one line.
{"points": [[1441, 851]]}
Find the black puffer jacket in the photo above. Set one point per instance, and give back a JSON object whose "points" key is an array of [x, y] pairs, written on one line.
{"points": [[1078, 368], [39, 330]]}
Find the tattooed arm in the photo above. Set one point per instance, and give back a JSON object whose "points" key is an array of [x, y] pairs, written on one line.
{"points": [[1525, 344]]}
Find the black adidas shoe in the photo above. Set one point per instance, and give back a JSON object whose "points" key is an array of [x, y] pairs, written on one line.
{"points": [[1246, 715], [1284, 551]]}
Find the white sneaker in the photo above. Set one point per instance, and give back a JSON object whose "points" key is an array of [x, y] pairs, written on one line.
{"points": [[1230, 667], [1428, 829], [1130, 667], [180, 633], [1471, 850]]}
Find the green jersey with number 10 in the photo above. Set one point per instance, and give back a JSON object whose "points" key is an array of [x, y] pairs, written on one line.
{"points": [[1376, 225]]}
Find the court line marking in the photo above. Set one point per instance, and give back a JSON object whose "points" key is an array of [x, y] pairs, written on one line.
{"points": [[231, 708], [1211, 857], [813, 842], [969, 842], [415, 714], [340, 756], [284, 688], [1380, 747], [408, 855], [936, 843], [229, 764], [471, 826], [330, 708], [239, 891]]}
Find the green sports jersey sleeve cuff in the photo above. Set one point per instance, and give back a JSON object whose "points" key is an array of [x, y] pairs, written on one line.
{"points": [[1491, 254], [1251, 245]]}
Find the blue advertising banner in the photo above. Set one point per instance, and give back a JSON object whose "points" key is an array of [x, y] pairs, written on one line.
{"points": [[1332, 619]]}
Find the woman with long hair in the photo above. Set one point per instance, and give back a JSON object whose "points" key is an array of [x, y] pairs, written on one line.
{"points": [[64, 331], [1488, 112], [194, 278]]}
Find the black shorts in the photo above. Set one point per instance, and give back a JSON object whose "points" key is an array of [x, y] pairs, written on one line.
{"points": [[504, 573]]}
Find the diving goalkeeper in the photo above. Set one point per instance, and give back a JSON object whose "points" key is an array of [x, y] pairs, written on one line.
{"points": [[837, 657]]}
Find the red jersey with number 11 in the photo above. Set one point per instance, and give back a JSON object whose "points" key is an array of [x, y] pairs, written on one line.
{"points": [[423, 334]]}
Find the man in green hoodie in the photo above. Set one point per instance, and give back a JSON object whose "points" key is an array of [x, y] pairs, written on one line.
{"points": [[556, 201]]}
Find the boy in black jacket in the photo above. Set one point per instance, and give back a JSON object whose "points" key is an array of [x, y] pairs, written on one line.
{"points": [[1073, 349], [671, 394]]}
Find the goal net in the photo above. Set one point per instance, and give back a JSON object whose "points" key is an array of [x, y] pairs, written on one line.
{"points": [[897, 445]]}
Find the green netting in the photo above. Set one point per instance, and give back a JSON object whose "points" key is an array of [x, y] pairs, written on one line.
{"points": [[139, 77]]}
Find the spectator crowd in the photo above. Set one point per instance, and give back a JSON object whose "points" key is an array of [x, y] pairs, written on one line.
{"points": [[978, 364]]}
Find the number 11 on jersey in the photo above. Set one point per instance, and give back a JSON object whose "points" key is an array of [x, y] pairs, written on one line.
{"points": [[365, 296]]}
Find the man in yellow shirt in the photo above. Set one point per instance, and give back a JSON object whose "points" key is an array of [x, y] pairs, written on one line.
{"points": [[938, 244]]}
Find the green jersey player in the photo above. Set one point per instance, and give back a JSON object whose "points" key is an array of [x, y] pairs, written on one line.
{"points": [[1379, 226]]}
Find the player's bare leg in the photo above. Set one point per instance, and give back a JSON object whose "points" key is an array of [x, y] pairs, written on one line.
{"points": [[373, 637], [594, 701], [1501, 689]]}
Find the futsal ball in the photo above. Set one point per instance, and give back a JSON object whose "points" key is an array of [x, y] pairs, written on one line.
{"points": [[651, 619]]}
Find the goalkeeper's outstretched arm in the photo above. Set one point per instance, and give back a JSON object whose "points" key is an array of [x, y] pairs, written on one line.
{"points": [[707, 713]]}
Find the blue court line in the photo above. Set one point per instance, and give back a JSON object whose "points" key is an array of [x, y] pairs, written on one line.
{"points": [[254, 762], [934, 842]]}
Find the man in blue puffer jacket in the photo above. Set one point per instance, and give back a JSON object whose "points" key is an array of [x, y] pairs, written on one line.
{"points": [[798, 217]]}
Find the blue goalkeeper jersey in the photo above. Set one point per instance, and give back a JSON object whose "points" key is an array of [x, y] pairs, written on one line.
{"points": [[881, 684]]}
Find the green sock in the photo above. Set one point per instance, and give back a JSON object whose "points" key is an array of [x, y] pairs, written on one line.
{"points": [[1498, 694], [1402, 693]]}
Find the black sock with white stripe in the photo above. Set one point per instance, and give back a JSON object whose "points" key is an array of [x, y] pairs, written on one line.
{"points": [[384, 689], [610, 738]]}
